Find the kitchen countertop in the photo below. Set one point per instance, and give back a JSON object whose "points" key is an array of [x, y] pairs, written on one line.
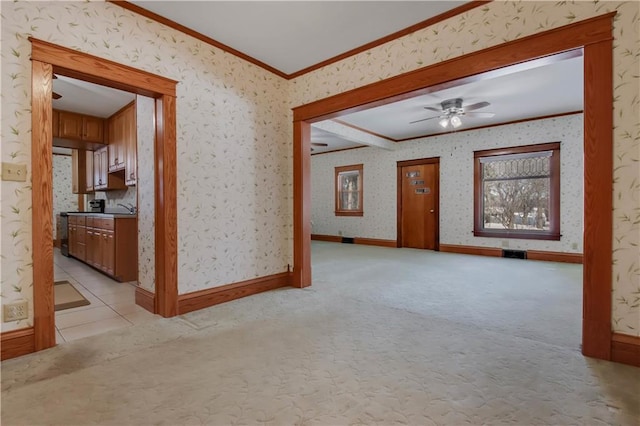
{"points": [[106, 215]]}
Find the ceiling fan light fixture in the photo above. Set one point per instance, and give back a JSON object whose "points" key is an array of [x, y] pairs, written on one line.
{"points": [[455, 121], [444, 122]]}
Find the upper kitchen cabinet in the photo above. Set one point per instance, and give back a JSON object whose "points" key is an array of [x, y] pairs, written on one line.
{"points": [[102, 179], [122, 137], [79, 172], [77, 131]]}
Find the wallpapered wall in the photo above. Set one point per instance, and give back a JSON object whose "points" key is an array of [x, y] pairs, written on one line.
{"points": [[146, 195], [499, 22], [234, 158], [456, 183], [234, 131], [63, 199]]}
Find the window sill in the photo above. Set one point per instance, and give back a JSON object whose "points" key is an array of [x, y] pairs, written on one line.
{"points": [[349, 213], [521, 235]]}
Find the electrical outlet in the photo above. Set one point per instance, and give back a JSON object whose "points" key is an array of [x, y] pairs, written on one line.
{"points": [[574, 246], [340, 233], [14, 172], [15, 311], [505, 243]]}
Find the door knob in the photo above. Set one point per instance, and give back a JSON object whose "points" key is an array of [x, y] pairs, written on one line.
{"points": [[431, 211]]}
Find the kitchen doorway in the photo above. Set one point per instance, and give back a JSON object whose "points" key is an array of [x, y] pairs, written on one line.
{"points": [[48, 59]]}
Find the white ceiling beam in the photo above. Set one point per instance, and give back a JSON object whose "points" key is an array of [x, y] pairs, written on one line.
{"points": [[354, 135]]}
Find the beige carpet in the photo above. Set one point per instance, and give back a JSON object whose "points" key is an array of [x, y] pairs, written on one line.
{"points": [[384, 336], [67, 297]]}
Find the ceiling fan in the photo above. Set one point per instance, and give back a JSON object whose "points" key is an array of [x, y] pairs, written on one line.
{"points": [[318, 144], [55, 95], [451, 111]]}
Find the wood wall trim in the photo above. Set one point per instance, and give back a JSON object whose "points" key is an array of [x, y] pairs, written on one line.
{"points": [[301, 276], [87, 67], [478, 251], [166, 207], [146, 299], [594, 35], [195, 34], [44, 331], [413, 28], [328, 238], [411, 84], [554, 256], [100, 71], [369, 132], [213, 296], [356, 240], [17, 343], [625, 349]]}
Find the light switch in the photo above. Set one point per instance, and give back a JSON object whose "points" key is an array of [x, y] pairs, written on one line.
{"points": [[14, 172]]}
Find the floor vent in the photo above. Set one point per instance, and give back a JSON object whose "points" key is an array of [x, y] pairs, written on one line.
{"points": [[514, 254], [347, 240]]}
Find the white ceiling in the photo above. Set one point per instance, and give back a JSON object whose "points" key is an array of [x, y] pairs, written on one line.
{"points": [[88, 98], [293, 35], [545, 90]]}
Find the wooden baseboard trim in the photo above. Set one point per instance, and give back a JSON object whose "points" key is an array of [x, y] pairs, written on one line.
{"points": [[146, 299], [376, 242], [356, 240], [17, 343], [625, 349], [203, 299], [554, 256], [329, 238], [478, 251]]}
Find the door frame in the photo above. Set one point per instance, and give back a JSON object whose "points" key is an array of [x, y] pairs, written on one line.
{"points": [[418, 162], [595, 37], [47, 58]]}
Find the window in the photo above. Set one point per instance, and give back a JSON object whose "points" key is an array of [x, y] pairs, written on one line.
{"points": [[349, 190], [517, 192]]}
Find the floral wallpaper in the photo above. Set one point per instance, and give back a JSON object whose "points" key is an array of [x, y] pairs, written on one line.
{"points": [[456, 183], [501, 21], [63, 199], [146, 192], [234, 158], [235, 133]]}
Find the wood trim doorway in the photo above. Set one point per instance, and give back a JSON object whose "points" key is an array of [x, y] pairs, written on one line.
{"points": [[48, 58], [594, 36], [435, 190]]}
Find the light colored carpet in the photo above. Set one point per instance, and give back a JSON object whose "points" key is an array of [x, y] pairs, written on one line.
{"points": [[67, 297], [384, 336]]}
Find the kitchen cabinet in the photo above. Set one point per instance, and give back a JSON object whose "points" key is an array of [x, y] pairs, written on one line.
{"points": [[79, 172], [116, 142], [102, 179], [88, 171], [79, 126], [77, 234], [112, 245], [122, 140]]}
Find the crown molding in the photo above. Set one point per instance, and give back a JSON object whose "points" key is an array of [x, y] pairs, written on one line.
{"points": [[413, 28]]}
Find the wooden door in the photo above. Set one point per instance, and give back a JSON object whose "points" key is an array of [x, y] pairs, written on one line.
{"points": [[89, 171], [97, 175], [109, 253], [418, 210]]}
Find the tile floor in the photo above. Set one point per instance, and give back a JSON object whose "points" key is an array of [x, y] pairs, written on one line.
{"points": [[112, 303]]}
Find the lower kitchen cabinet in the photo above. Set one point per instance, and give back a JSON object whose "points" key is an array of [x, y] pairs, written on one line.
{"points": [[111, 245]]}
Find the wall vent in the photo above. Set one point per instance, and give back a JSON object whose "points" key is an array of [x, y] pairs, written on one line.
{"points": [[514, 254], [347, 240]]}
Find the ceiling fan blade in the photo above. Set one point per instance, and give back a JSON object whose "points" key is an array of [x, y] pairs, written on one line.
{"points": [[425, 119], [319, 144], [476, 106], [54, 76], [433, 109], [480, 114], [55, 95]]}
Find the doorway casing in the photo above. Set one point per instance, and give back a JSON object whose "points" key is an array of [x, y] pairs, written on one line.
{"points": [[594, 36], [48, 58]]}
